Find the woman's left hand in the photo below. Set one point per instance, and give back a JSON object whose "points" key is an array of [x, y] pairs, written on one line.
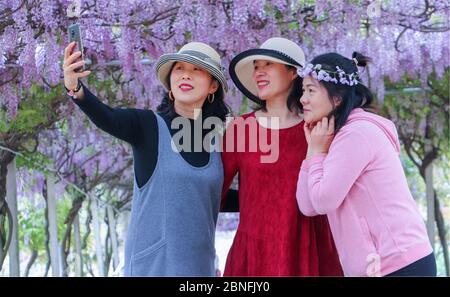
{"points": [[321, 136]]}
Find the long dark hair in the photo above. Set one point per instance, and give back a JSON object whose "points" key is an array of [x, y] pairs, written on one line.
{"points": [[218, 108], [293, 100], [350, 97]]}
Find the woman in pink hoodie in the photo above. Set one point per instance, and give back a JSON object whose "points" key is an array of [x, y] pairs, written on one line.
{"points": [[353, 174]]}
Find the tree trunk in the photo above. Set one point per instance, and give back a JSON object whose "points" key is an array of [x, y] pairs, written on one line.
{"points": [[98, 240], [438, 217], [77, 202], [64, 251], [84, 241], [11, 197], [125, 218], [5, 214], [47, 234], [78, 254], [114, 242], [108, 251], [34, 255], [442, 233], [53, 227], [428, 172]]}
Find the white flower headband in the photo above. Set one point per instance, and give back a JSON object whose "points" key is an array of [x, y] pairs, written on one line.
{"points": [[338, 76]]}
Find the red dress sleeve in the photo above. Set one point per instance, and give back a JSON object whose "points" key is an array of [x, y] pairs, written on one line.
{"points": [[230, 160]]}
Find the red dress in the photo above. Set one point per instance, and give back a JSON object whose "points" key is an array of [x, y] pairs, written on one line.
{"points": [[273, 238]]}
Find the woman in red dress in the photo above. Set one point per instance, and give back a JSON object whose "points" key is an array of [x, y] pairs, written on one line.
{"points": [[266, 148]]}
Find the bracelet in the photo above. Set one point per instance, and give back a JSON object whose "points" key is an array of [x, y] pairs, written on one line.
{"points": [[71, 93]]}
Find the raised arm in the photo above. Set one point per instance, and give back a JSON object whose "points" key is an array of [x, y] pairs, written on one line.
{"points": [[121, 123]]}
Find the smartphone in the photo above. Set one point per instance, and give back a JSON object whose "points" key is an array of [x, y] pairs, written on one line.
{"points": [[75, 35]]}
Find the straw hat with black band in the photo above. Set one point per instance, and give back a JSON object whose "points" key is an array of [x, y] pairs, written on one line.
{"points": [[276, 49], [196, 53]]}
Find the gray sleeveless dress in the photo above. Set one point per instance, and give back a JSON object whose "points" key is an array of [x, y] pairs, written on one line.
{"points": [[173, 216]]}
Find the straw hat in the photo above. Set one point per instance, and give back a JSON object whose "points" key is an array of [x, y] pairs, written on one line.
{"points": [[197, 53], [277, 49]]}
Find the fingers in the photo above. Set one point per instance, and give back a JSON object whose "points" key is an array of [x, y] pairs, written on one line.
{"points": [[307, 129], [318, 126], [69, 49], [331, 126], [72, 58], [84, 73], [322, 127], [325, 123], [74, 66]]}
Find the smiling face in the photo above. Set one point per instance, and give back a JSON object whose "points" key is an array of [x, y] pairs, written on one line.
{"points": [[273, 79], [315, 100], [191, 84]]}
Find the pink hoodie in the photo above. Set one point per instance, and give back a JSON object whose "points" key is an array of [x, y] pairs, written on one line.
{"points": [[361, 186]]}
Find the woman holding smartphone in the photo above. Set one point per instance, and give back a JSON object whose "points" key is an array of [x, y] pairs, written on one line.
{"points": [[176, 193]]}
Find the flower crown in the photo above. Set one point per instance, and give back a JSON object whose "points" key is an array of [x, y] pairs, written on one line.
{"points": [[338, 76]]}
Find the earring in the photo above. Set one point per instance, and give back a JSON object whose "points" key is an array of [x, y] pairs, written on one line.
{"points": [[171, 96], [209, 98]]}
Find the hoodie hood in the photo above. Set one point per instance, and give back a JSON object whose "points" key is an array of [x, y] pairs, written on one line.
{"points": [[387, 126]]}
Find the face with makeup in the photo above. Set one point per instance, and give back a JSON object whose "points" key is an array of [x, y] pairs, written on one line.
{"points": [[273, 79], [191, 84], [315, 100]]}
